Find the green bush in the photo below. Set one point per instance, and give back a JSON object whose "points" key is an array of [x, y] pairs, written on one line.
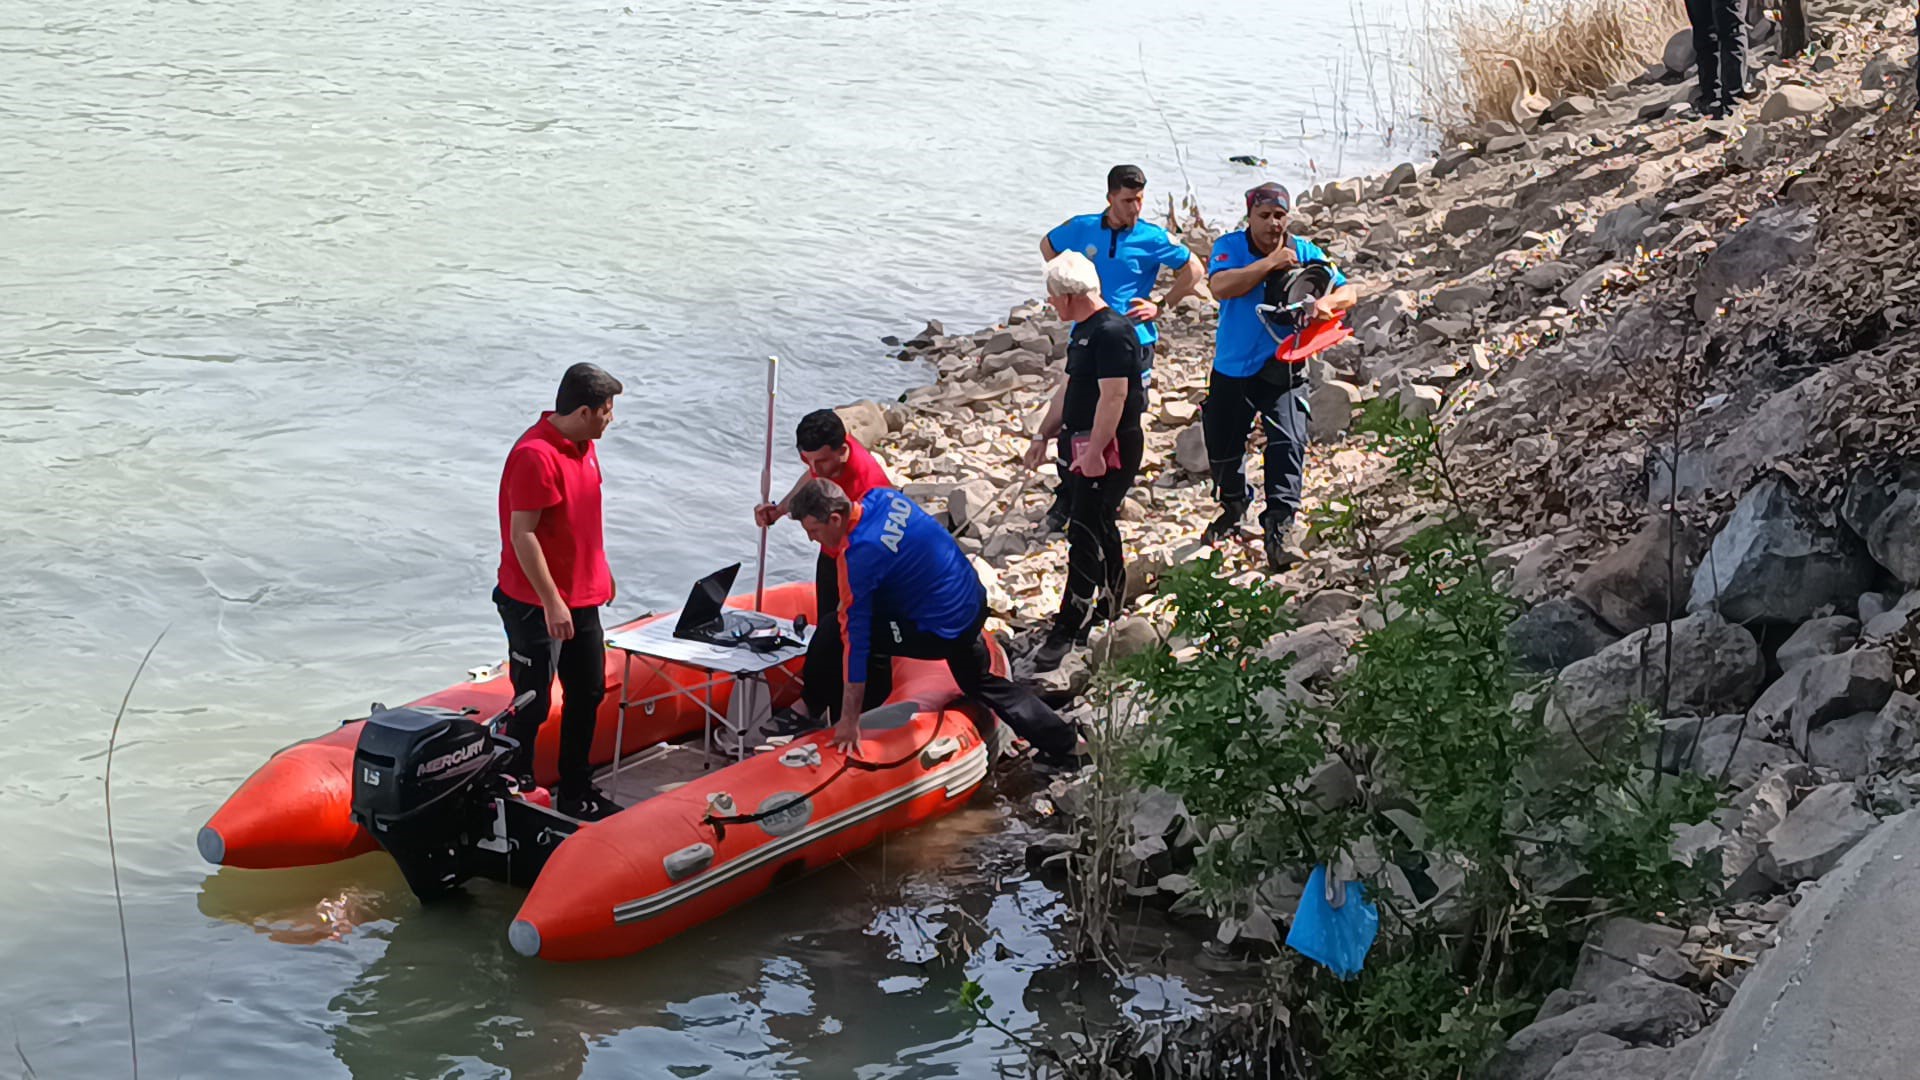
{"points": [[1227, 736]]}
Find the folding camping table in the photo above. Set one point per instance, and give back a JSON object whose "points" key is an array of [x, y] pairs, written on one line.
{"points": [[654, 646]]}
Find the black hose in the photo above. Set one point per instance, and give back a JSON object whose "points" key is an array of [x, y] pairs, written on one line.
{"points": [[720, 822]]}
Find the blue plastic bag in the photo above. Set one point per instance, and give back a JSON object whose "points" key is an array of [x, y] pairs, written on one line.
{"points": [[1336, 937]]}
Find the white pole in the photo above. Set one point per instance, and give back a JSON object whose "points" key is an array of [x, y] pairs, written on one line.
{"points": [[766, 482]]}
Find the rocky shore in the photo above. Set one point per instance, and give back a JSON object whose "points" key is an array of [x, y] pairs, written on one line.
{"points": [[1675, 365]]}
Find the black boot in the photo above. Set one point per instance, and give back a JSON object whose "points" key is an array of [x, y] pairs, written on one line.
{"points": [[1278, 527], [588, 803], [1053, 650], [1224, 527]]}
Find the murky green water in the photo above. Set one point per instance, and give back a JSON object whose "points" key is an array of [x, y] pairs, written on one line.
{"points": [[278, 284]]}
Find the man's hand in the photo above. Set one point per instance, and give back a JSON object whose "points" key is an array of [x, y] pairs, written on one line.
{"points": [[1036, 454], [1090, 464], [559, 622], [1324, 309], [1143, 310], [1282, 256], [766, 514], [846, 734]]}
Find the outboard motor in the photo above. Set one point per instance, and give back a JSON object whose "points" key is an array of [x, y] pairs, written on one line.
{"points": [[431, 786]]}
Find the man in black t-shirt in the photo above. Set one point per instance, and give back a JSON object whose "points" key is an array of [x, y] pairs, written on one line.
{"points": [[1098, 410]]}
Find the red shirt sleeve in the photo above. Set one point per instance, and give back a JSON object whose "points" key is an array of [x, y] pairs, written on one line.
{"points": [[531, 480]]}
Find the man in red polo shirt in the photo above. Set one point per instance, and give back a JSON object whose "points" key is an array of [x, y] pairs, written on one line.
{"points": [[829, 454], [554, 578]]}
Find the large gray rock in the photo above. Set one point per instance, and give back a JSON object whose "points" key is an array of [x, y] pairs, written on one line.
{"points": [[1738, 759], [1816, 638], [1330, 407], [1190, 450], [1893, 536], [865, 421], [1823, 689], [1551, 635], [1842, 745], [1753, 815], [1402, 175], [1593, 1059], [1465, 218], [968, 501], [1789, 102], [1667, 745], [1776, 237], [1635, 1009], [1715, 663], [1891, 621], [1678, 55], [1775, 561], [1817, 834], [1614, 946], [1621, 228], [1570, 106], [1783, 425], [1834, 999], [1628, 588], [1893, 742], [1462, 297], [1549, 276]]}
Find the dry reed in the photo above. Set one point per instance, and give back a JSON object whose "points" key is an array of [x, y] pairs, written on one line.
{"points": [[1483, 57]]}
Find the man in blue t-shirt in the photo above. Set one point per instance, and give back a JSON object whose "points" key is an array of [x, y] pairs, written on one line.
{"points": [[906, 589], [1128, 254], [1248, 381]]}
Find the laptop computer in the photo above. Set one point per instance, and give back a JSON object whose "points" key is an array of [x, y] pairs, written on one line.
{"points": [[705, 618]]}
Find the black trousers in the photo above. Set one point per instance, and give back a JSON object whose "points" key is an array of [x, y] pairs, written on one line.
{"points": [[972, 667], [1719, 49], [1232, 403], [1096, 561], [821, 676], [533, 660]]}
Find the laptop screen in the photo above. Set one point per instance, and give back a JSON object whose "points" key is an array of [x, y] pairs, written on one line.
{"points": [[705, 601]]}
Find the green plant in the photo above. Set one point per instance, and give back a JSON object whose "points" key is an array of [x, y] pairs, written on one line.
{"points": [[1229, 734], [1410, 1018], [1629, 843], [1432, 694]]}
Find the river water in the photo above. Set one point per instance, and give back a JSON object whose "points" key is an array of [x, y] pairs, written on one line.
{"points": [[279, 282]]}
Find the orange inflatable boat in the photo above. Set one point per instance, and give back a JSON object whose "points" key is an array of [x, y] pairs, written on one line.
{"points": [[426, 783], [295, 810]]}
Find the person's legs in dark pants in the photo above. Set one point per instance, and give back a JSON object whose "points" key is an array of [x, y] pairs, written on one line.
{"points": [[1096, 567], [971, 663], [583, 683], [533, 661], [1020, 708], [1730, 41], [1704, 16], [530, 664], [820, 671], [1283, 417], [1225, 419]]}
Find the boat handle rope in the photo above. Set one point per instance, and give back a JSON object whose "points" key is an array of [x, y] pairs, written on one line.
{"points": [[721, 821]]}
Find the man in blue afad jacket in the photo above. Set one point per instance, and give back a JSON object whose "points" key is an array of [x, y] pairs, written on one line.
{"points": [[906, 589], [1248, 381]]}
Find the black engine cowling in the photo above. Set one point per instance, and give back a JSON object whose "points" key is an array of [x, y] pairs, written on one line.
{"points": [[430, 785]]}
